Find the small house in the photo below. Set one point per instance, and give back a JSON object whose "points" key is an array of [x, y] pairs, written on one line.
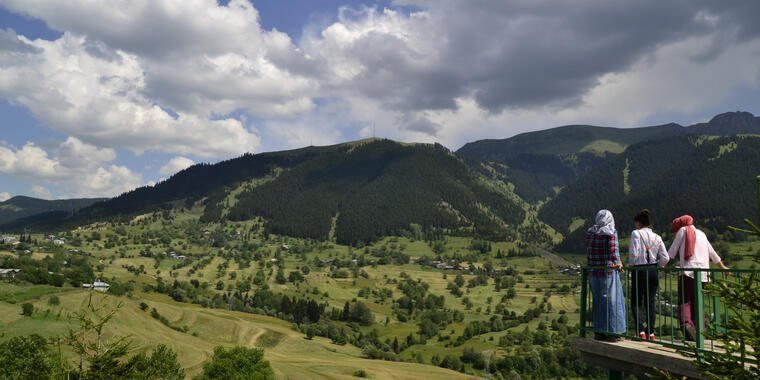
{"points": [[9, 273], [97, 285]]}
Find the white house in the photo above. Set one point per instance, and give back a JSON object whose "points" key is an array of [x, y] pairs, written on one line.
{"points": [[6, 273], [58, 241], [180, 257], [285, 247], [97, 285]]}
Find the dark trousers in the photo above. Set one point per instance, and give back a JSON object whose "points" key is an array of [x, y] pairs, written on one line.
{"points": [[688, 307], [644, 283]]}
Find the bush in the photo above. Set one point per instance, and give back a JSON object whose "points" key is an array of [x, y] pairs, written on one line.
{"points": [[361, 373], [237, 363], [54, 301], [27, 309], [26, 357]]}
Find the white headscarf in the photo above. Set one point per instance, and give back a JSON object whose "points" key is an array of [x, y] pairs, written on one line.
{"points": [[605, 224]]}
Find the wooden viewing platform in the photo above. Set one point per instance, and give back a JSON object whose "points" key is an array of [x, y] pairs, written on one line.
{"points": [[635, 357]]}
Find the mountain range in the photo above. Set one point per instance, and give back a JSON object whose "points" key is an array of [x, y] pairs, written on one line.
{"points": [[360, 191], [540, 163]]}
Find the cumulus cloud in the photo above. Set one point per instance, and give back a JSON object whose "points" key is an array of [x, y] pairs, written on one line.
{"points": [[4, 196], [176, 164], [196, 77], [100, 98], [456, 71], [76, 168]]}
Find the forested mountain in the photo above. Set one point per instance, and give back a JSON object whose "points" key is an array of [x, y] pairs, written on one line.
{"points": [[539, 163], [21, 207], [713, 179], [353, 192], [612, 181], [377, 189], [364, 190]]}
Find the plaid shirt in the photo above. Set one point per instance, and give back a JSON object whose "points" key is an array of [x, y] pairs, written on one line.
{"points": [[602, 251]]}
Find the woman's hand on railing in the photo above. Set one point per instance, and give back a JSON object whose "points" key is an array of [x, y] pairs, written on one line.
{"points": [[619, 267]]}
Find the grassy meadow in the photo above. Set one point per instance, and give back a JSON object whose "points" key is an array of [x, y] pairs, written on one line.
{"points": [[114, 251]]}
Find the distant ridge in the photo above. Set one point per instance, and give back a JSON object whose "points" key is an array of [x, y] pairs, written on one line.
{"points": [[21, 206], [539, 163], [571, 139]]}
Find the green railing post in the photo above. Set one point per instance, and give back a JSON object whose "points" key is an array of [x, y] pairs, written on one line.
{"points": [[699, 308], [584, 295]]}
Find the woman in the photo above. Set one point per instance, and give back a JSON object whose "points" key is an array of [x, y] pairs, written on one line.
{"points": [[694, 251], [646, 252], [602, 249]]}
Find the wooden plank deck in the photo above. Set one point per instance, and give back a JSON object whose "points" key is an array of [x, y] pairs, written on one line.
{"points": [[635, 357]]}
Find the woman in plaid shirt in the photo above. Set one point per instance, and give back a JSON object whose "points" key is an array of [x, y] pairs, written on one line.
{"points": [[603, 250]]}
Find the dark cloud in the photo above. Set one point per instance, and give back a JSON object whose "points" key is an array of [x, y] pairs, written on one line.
{"points": [[525, 54], [10, 42], [418, 124]]}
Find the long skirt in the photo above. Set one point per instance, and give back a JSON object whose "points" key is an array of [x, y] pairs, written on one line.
{"points": [[608, 308]]}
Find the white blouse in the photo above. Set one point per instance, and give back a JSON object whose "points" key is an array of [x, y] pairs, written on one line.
{"points": [[703, 252]]}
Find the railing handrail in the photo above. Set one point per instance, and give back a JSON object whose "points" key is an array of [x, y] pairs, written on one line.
{"points": [[713, 306], [670, 269]]}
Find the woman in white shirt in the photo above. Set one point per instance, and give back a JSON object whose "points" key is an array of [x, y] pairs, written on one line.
{"points": [[694, 251], [646, 252]]}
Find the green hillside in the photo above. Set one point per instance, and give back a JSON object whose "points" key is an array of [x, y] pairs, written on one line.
{"points": [[361, 193], [670, 177], [607, 184], [354, 193], [385, 308], [539, 163]]}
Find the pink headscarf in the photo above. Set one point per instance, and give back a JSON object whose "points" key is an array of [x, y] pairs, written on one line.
{"points": [[691, 235]]}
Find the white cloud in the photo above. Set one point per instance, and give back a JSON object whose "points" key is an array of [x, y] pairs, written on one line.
{"points": [[41, 192], [76, 168], [186, 76], [4, 196], [175, 165], [100, 99]]}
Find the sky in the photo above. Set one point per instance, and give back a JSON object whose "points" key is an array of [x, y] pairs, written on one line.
{"points": [[100, 97]]}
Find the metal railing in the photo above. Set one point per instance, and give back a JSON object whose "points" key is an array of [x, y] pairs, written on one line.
{"points": [[709, 313]]}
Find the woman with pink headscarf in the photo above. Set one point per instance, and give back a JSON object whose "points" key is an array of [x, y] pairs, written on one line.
{"points": [[694, 251]]}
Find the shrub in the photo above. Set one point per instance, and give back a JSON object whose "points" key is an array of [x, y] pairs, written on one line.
{"points": [[54, 301], [26, 357], [237, 363], [361, 373], [27, 309]]}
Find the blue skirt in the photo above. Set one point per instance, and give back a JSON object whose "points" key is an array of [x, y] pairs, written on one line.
{"points": [[609, 304]]}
